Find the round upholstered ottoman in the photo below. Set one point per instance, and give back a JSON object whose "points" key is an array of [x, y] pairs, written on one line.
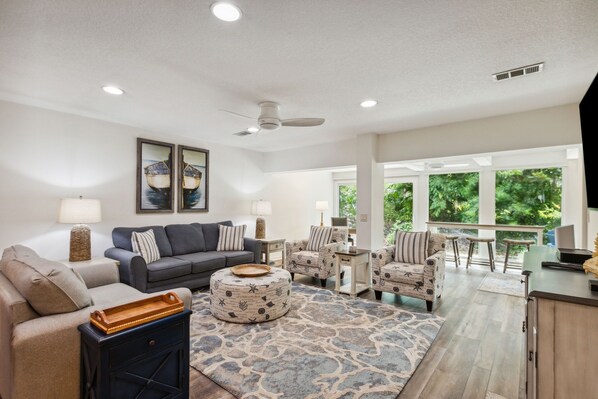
{"points": [[250, 299]]}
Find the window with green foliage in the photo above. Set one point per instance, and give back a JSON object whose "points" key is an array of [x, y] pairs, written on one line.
{"points": [[398, 209], [347, 202], [454, 197], [528, 197]]}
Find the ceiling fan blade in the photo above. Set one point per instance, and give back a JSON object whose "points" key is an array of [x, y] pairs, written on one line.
{"points": [[237, 114], [242, 133], [302, 122]]}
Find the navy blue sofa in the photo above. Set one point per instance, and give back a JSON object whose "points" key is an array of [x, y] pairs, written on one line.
{"points": [[188, 256]]}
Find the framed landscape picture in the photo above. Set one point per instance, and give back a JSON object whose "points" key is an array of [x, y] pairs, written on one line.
{"points": [[155, 176], [193, 187]]}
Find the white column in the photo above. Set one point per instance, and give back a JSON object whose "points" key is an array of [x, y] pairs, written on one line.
{"points": [[370, 193], [421, 203], [487, 206]]}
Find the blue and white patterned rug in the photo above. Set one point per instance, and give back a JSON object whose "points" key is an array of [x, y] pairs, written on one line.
{"points": [[327, 346]]}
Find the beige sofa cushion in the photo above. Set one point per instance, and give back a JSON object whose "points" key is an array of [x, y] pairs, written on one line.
{"points": [[49, 287]]}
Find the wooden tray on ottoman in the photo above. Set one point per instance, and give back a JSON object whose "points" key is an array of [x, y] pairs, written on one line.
{"points": [[250, 270], [132, 314]]}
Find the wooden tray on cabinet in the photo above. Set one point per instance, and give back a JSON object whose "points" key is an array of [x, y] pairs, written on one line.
{"points": [[132, 314]]}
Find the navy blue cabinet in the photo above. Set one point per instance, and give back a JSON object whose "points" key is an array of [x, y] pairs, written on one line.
{"points": [[147, 361]]}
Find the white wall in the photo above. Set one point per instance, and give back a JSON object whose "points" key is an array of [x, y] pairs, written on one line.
{"points": [[548, 127], [48, 155], [294, 197]]}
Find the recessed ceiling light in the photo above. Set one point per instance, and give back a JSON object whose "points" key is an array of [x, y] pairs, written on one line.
{"points": [[225, 11], [253, 129], [113, 90], [369, 103]]}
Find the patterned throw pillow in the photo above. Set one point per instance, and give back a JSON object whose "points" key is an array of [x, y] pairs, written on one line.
{"points": [[318, 237], [231, 238], [144, 243], [412, 247]]}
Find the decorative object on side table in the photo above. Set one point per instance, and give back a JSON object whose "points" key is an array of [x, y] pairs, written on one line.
{"points": [[155, 176], [193, 179], [80, 211], [261, 208], [321, 206]]}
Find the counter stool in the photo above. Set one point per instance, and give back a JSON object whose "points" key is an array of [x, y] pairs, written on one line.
{"points": [[510, 242], [453, 243], [472, 242]]}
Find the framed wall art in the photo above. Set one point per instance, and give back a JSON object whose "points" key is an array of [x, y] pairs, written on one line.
{"points": [[155, 176], [193, 172]]}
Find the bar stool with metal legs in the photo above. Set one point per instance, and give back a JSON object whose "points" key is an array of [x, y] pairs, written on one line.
{"points": [[455, 246], [472, 242], [510, 242]]}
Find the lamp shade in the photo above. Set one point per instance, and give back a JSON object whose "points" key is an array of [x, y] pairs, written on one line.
{"points": [[80, 211], [261, 207], [321, 205]]}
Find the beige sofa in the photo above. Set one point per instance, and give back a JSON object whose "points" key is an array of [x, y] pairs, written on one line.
{"points": [[40, 354]]}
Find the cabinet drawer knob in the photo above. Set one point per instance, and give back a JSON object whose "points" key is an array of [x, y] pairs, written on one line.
{"points": [[152, 342]]}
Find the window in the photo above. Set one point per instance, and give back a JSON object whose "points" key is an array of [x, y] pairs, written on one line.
{"points": [[347, 202], [527, 197], [398, 209], [454, 197]]}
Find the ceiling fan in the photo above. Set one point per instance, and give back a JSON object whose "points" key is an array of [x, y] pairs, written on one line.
{"points": [[270, 120]]}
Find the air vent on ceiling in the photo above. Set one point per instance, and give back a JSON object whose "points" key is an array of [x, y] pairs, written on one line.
{"points": [[513, 73], [243, 133]]}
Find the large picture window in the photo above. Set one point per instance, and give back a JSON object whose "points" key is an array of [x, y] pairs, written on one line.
{"points": [[528, 197], [347, 202], [398, 209]]}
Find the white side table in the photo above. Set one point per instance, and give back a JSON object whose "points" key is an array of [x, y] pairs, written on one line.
{"points": [[359, 258], [273, 245]]}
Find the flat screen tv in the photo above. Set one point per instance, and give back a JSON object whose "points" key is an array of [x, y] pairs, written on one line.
{"points": [[588, 116]]}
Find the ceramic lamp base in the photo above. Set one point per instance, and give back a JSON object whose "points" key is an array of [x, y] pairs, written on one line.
{"points": [[80, 249], [260, 228]]}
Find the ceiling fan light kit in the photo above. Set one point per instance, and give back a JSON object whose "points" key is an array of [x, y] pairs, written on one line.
{"points": [[269, 119], [368, 103], [225, 11]]}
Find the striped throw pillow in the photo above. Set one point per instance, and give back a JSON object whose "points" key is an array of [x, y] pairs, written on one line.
{"points": [[231, 238], [144, 243], [318, 237], [412, 247]]}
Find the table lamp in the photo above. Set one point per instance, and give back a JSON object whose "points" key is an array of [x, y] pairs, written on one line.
{"points": [[79, 211], [321, 206], [260, 208]]}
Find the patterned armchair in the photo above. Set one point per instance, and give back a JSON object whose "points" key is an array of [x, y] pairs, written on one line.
{"points": [[424, 281], [319, 264]]}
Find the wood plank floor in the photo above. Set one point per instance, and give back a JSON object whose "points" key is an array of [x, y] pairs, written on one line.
{"points": [[479, 352]]}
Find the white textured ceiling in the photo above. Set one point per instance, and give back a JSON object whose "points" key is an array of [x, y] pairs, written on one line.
{"points": [[428, 62]]}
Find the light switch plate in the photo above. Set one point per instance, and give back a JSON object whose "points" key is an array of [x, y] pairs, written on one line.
{"points": [[363, 217]]}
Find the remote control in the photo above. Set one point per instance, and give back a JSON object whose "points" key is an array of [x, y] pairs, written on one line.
{"points": [[562, 265]]}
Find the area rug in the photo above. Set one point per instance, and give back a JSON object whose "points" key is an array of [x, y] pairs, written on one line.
{"points": [[327, 346], [509, 284]]}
